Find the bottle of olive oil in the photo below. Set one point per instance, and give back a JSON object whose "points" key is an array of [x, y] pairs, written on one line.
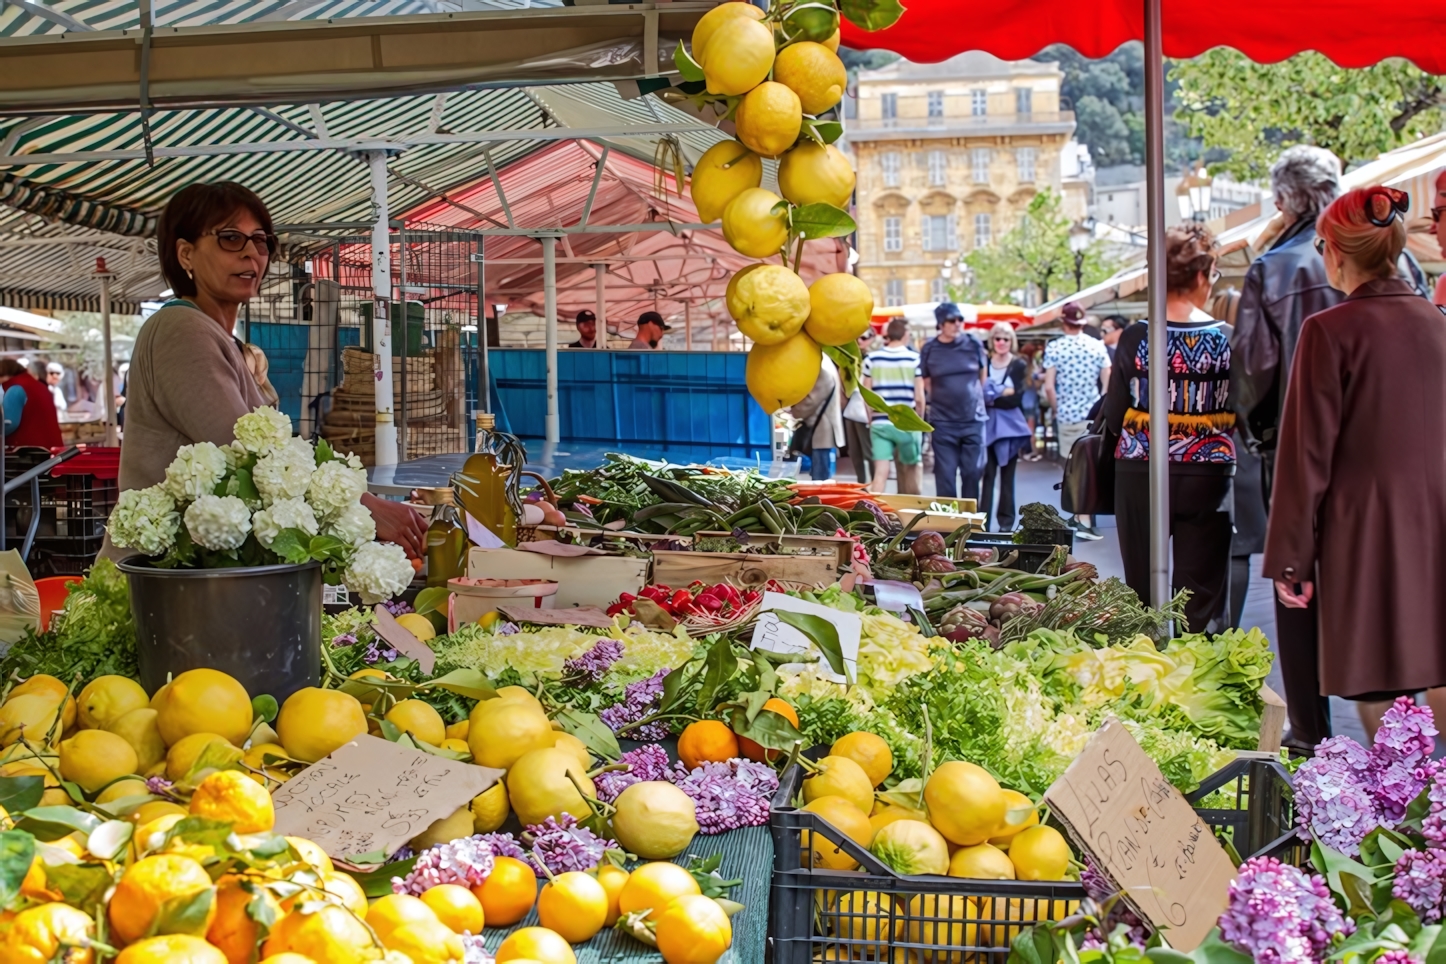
{"points": [[447, 541], [487, 485]]}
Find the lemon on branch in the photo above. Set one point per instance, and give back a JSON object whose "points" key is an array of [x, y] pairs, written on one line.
{"points": [[816, 174], [725, 170], [768, 118], [717, 17], [769, 302], [751, 226], [840, 306], [742, 56], [814, 73], [781, 375]]}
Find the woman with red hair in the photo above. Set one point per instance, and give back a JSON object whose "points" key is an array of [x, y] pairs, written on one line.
{"points": [[1358, 511]]}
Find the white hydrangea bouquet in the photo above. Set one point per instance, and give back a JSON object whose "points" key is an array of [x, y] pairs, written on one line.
{"points": [[266, 499]]}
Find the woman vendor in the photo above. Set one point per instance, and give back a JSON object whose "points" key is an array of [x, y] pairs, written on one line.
{"points": [[189, 379], [30, 417]]}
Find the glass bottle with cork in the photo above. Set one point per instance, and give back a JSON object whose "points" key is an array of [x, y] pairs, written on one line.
{"points": [[487, 486], [447, 542]]}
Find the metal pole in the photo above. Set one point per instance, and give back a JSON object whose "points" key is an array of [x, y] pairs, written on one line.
{"points": [[687, 327], [599, 277], [1155, 239], [484, 375], [386, 431], [111, 438], [549, 319], [406, 337]]}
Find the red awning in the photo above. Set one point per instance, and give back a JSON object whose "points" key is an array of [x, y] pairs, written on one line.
{"points": [[1348, 32]]}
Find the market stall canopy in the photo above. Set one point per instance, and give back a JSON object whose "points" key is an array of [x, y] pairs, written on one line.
{"points": [[1346, 31], [106, 55]]}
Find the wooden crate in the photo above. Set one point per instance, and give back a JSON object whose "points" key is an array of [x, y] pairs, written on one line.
{"points": [[937, 522], [925, 502], [842, 548], [677, 569], [581, 580]]}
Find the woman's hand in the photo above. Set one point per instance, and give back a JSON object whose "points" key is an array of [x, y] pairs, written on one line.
{"points": [[399, 523], [1289, 598], [1008, 390]]}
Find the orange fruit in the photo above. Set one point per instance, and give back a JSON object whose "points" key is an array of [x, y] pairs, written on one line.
{"points": [[574, 904], [233, 930], [536, 944], [754, 751], [455, 906], [392, 911], [612, 877], [322, 932], [693, 930], [146, 885], [706, 741], [233, 797], [171, 949], [508, 893], [653, 886]]}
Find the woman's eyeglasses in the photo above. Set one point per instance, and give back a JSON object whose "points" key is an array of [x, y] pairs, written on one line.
{"points": [[229, 239], [1320, 244], [1436, 214], [1001, 338]]}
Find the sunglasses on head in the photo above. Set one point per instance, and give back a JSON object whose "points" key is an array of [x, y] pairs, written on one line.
{"points": [[229, 239], [1399, 201]]}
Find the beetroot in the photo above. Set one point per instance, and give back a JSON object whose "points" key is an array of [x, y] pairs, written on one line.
{"points": [[930, 544]]}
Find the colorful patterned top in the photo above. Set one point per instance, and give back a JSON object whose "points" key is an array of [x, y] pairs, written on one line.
{"points": [[1201, 417]]}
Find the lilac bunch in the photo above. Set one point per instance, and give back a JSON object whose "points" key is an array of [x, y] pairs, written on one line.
{"points": [[639, 700], [466, 861], [1420, 880], [561, 845], [158, 785], [647, 762], [1335, 800], [1433, 827], [729, 795], [398, 607], [593, 665], [345, 639], [1396, 957], [474, 950], [1401, 756], [1102, 890], [1279, 915], [378, 653], [505, 845]]}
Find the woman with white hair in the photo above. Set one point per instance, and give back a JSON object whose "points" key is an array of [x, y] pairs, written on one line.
{"points": [[1358, 511], [1006, 434]]}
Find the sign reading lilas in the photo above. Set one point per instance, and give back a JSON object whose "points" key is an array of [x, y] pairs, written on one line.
{"points": [[268, 498]]}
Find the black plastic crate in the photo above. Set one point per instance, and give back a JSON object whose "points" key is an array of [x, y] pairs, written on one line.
{"points": [[74, 513], [1260, 820], [872, 913]]}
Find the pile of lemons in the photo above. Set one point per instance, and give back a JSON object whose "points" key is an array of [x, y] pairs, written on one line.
{"points": [[780, 71]]}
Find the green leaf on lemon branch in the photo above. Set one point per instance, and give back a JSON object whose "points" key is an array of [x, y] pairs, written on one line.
{"points": [[686, 65], [822, 634], [822, 131], [849, 362], [872, 14], [814, 221], [902, 416]]}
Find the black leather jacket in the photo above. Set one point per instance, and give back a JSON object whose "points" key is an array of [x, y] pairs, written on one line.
{"points": [[1284, 287]]}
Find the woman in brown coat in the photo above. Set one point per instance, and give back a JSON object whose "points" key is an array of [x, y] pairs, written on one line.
{"points": [[1358, 512]]}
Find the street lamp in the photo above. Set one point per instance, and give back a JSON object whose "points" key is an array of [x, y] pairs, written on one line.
{"points": [[1193, 195], [1080, 237]]}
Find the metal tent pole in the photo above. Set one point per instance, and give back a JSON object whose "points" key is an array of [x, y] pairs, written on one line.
{"points": [[111, 436], [406, 336], [386, 431], [1159, 389], [599, 279], [549, 319]]}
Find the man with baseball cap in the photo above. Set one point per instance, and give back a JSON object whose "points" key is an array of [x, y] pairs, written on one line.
{"points": [[953, 366], [650, 331], [586, 330]]}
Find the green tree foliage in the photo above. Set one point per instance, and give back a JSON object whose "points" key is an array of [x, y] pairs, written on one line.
{"points": [[1250, 112], [1036, 252]]}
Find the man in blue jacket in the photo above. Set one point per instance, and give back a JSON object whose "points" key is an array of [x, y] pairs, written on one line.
{"points": [[954, 365]]}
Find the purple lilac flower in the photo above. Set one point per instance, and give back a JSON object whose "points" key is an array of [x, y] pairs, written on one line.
{"points": [[506, 629], [639, 699], [157, 785], [1278, 915], [405, 852], [474, 950], [730, 795], [378, 653], [345, 639], [563, 846], [1401, 756], [1396, 957], [1420, 876], [505, 845], [398, 608], [1334, 802], [1433, 827], [593, 665], [1102, 890], [466, 861], [647, 762]]}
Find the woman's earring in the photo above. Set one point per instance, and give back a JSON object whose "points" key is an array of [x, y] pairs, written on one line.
{"points": [[189, 275]]}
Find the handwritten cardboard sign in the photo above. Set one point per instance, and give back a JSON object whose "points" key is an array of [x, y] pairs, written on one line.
{"points": [[1121, 809], [772, 634], [374, 795], [403, 640]]}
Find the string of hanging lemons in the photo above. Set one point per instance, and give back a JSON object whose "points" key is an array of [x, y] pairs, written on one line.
{"points": [[775, 73]]}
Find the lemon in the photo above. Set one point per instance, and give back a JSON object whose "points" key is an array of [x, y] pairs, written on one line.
{"points": [[653, 886], [108, 698], [866, 749], [737, 57], [490, 809], [568, 743], [329, 933], [911, 847], [502, 730], [156, 809], [944, 922], [140, 729], [420, 720], [313, 722], [865, 916], [846, 818], [449, 828], [427, 942], [458, 731], [693, 930], [1039, 853], [286, 957], [574, 904], [781, 375], [654, 819], [840, 776], [538, 786], [146, 885], [965, 802], [122, 789], [751, 225], [29, 715], [725, 170], [457, 746], [233, 930], [455, 906], [840, 307], [814, 73], [171, 949], [391, 911], [183, 756], [1020, 814], [541, 944], [346, 890], [814, 174], [769, 302], [311, 854], [981, 861], [769, 118], [714, 19], [833, 41], [514, 694], [42, 684], [35, 935], [93, 758], [418, 625], [205, 701], [613, 878], [810, 21], [256, 756], [232, 796]]}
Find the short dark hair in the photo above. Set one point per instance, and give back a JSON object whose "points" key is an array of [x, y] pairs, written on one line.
{"points": [[1189, 250], [190, 213], [585, 315], [898, 328], [9, 368], [650, 318], [1119, 321]]}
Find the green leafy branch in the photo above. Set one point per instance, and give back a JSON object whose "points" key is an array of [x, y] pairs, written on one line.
{"points": [[850, 362]]}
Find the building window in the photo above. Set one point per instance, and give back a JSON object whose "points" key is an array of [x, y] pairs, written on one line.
{"points": [[893, 234], [983, 230], [936, 103], [979, 162], [939, 232], [1025, 156], [938, 168], [893, 292], [889, 106], [938, 290], [978, 102], [889, 163], [1023, 100]]}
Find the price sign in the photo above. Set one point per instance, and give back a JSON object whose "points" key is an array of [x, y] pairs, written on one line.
{"points": [[1140, 830], [374, 795], [772, 634]]}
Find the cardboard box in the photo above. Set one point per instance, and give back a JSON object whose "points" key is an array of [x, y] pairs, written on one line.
{"points": [[581, 580]]}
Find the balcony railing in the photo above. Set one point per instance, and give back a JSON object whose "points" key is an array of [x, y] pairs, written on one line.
{"points": [[957, 125]]}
